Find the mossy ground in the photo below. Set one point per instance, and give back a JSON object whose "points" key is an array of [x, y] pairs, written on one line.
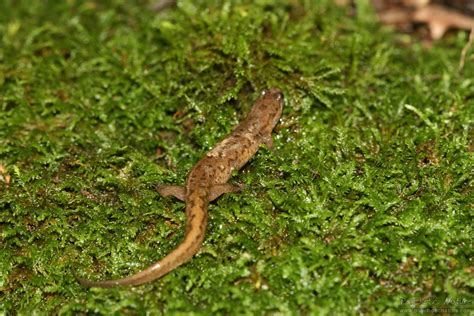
{"points": [[364, 206]]}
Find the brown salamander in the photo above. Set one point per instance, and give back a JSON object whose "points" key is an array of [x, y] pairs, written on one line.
{"points": [[206, 181]]}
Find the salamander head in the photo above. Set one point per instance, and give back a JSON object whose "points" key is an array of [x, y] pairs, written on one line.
{"points": [[268, 108], [274, 93]]}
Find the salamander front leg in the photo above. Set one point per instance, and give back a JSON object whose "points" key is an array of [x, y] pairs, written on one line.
{"points": [[174, 190], [219, 189], [268, 141]]}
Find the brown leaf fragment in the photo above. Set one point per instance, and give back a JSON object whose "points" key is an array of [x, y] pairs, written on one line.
{"points": [[4, 176], [440, 19], [394, 16], [415, 3]]}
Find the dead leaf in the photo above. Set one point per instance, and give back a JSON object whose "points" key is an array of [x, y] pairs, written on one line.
{"points": [[440, 19], [4, 176]]}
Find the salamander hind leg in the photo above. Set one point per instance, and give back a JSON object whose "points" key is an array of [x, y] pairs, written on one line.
{"points": [[174, 190], [219, 189]]}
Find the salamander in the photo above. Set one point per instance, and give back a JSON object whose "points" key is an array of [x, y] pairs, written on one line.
{"points": [[206, 181]]}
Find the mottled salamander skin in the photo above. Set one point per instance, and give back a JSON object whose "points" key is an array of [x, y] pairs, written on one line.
{"points": [[207, 180]]}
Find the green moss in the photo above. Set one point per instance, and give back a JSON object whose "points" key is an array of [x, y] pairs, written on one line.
{"points": [[363, 206]]}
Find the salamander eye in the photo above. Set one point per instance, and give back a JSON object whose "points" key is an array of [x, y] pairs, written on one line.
{"points": [[276, 94], [279, 96]]}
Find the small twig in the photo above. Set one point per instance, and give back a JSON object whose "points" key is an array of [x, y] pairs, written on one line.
{"points": [[465, 49], [163, 4]]}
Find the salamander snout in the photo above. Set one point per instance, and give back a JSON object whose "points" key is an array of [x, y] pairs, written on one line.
{"points": [[273, 93]]}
